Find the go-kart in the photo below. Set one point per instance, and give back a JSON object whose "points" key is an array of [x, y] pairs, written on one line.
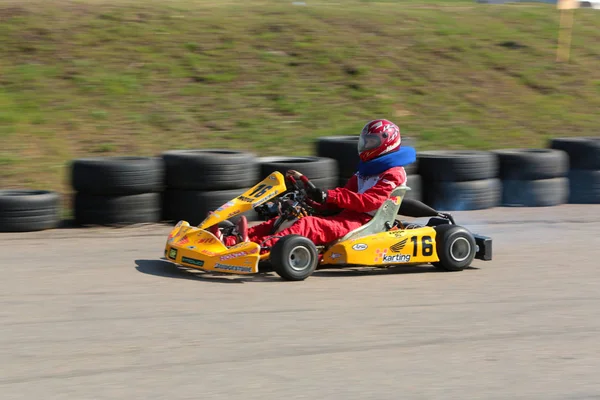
{"points": [[381, 242]]}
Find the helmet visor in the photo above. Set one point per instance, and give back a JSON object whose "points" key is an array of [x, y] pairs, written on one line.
{"points": [[368, 142]]}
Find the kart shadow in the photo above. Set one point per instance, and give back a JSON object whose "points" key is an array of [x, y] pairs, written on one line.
{"points": [[371, 271], [166, 269]]}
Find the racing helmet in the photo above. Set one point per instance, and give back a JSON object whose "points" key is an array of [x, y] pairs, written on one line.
{"points": [[378, 137]]}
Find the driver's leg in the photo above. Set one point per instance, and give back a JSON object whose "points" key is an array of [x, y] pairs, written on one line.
{"points": [[215, 230], [261, 230], [323, 230], [253, 234]]}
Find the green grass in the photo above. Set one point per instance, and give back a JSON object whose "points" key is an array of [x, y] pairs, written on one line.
{"points": [[116, 77]]}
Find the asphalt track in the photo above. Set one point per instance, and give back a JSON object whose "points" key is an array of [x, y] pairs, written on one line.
{"points": [[95, 314]]}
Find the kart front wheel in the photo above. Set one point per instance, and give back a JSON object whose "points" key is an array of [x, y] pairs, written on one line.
{"points": [[455, 247], [294, 257]]}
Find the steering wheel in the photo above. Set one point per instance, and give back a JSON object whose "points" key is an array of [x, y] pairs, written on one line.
{"points": [[298, 194], [290, 205]]}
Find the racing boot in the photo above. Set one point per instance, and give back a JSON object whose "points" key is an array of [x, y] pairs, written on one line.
{"points": [[242, 229], [239, 234]]}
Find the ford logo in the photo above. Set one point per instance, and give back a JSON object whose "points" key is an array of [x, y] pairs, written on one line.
{"points": [[359, 246]]}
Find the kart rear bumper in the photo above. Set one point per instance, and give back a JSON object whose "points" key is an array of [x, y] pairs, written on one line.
{"points": [[484, 247]]}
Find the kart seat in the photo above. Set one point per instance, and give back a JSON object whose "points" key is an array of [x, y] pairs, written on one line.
{"points": [[383, 219]]}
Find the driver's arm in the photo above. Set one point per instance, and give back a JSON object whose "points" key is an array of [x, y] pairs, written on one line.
{"points": [[372, 198], [351, 184]]}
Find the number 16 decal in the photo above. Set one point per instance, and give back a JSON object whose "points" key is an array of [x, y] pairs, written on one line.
{"points": [[426, 246], [260, 190]]}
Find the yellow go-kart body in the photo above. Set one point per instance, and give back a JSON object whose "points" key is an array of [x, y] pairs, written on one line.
{"points": [[380, 242]]}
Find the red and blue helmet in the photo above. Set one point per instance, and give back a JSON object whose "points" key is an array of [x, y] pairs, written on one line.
{"points": [[378, 137]]}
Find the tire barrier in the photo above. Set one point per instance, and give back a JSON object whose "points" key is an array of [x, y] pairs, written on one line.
{"points": [[458, 180], [117, 190], [322, 171], [28, 210], [584, 168], [414, 182], [584, 186], [187, 184], [194, 205], [117, 175], [200, 181], [464, 195], [343, 149], [210, 169], [117, 209], [533, 177], [584, 152]]}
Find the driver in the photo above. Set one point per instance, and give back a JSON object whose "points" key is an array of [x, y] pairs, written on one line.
{"points": [[380, 171]]}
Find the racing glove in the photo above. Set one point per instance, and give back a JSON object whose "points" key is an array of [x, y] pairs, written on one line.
{"points": [[317, 195]]}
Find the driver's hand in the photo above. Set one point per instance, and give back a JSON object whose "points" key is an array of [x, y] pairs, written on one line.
{"points": [[301, 212], [318, 195], [294, 174]]}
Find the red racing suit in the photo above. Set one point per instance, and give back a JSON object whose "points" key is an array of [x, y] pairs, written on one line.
{"points": [[359, 200]]}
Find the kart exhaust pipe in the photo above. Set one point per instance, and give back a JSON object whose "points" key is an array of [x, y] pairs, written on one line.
{"points": [[484, 247]]}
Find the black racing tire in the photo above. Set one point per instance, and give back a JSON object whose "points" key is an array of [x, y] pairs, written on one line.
{"points": [[118, 175], [457, 165], [584, 187], [290, 250], [27, 210], [344, 149], [313, 168], [210, 169], [532, 164], [414, 183], [461, 196], [194, 205], [584, 152], [455, 246], [535, 193], [117, 210]]}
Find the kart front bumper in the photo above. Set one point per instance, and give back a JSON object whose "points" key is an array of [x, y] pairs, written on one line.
{"points": [[233, 261], [199, 249]]}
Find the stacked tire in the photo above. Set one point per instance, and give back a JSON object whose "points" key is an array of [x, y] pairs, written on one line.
{"points": [[117, 190], [200, 181], [322, 171], [26, 210], [343, 149], [533, 177], [584, 168], [459, 180]]}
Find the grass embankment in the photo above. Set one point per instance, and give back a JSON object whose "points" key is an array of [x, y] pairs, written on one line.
{"points": [[102, 78]]}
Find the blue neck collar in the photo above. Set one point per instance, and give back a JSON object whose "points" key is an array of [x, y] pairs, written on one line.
{"points": [[403, 156]]}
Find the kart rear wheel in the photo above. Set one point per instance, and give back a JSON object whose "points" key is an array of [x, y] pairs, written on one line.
{"points": [[294, 257], [455, 247]]}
